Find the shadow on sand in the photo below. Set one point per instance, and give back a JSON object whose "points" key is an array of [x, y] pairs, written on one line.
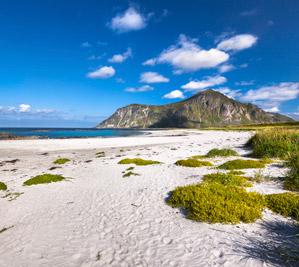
{"points": [[279, 246]]}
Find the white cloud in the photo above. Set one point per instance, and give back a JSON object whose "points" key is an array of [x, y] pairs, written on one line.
{"points": [[275, 93], [209, 82], [272, 109], [150, 62], [119, 58], [102, 73], [174, 94], [153, 77], [237, 42], [24, 108], [143, 88], [225, 68], [186, 55], [270, 97], [130, 20], [229, 92]]}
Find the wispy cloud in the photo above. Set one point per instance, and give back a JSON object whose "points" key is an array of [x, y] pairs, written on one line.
{"points": [[86, 44], [225, 68], [143, 88]]}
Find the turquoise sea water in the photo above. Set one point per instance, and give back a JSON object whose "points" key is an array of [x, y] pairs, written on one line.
{"points": [[70, 132]]}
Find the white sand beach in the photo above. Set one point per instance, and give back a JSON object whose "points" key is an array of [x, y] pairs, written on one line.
{"points": [[99, 218]]}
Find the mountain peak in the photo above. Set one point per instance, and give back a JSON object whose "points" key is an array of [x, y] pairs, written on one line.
{"points": [[206, 108]]}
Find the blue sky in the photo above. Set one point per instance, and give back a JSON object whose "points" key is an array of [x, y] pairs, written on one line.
{"points": [[72, 63]]}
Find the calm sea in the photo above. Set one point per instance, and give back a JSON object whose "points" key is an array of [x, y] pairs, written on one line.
{"points": [[70, 132]]}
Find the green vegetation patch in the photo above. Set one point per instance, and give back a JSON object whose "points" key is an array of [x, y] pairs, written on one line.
{"points": [[61, 161], [242, 164], [286, 204], [193, 163], [226, 152], [44, 179], [128, 174], [278, 143], [226, 179], [236, 172], [292, 180], [215, 203], [3, 186], [138, 161]]}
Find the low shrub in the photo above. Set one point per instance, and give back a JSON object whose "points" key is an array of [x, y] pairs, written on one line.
{"points": [[3, 186], [193, 163], [138, 161], [44, 179], [242, 164], [286, 204], [215, 203], [292, 180], [236, 172], [61, 161], [226, 179], [275, 143], [226, 152]]}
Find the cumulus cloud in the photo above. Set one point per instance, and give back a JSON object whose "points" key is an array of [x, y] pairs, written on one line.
{"points": [[150, 62], [225, 68], [119, 58], [24, 108], [186, 56], [208, 82], [229, 92], [153, 77], [130, 20], [102, 73], [272, 109], [143, 88], [174, 94], [237, 42]]}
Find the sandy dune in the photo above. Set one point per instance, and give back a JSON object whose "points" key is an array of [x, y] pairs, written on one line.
{"points": [[99, 218]]}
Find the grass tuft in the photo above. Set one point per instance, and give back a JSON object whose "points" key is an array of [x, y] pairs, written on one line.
{"points": [[128, 174], [3, 186], [61, 161], [286, 204], [274, 143], [242, 164], [215, 203], [138, 161], [236, 172], [292, 180], [226, 152], [226, 179], [193, 163], [44, 179]]}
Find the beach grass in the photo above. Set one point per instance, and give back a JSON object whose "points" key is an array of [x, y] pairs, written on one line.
{"points": [[138, 161], [3, 186], [130, 173], [192, 163], [225, 152], [274, 143], [44, 179], [292, 180], [61, 161], [216, 203], [286, 204]]}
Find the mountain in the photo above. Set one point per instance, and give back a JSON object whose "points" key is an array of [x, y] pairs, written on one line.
{"points": [[207, 108]]}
